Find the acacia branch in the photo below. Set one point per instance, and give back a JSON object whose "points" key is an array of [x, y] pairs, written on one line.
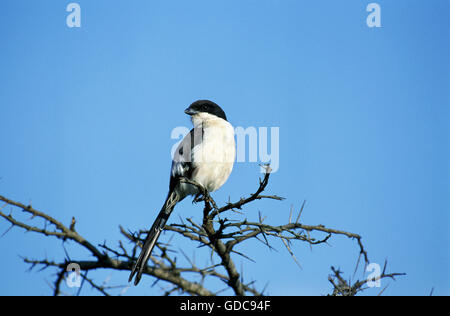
{"points": [[343, 287], [218, 236]]}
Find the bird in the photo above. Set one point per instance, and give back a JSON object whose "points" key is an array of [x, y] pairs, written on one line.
{"points": [[205, 157]]}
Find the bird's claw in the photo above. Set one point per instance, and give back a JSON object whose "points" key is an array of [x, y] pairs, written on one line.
{"points": [[199, 197]]}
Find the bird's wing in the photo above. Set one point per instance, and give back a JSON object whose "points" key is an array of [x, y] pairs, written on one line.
{"points": [[182, 163], [182, 166]]}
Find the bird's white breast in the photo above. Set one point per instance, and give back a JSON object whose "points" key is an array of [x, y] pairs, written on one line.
{"points": [[214, 157]]}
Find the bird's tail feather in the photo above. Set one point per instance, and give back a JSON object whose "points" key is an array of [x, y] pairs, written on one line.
{"points": [[152, 237]]}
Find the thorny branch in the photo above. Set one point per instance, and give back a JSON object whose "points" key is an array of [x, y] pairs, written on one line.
{"points": [[219, 235], [342, 287]]}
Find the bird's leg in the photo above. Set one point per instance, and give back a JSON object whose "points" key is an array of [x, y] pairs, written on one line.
{"points": [[202, 192], [199, 197]]}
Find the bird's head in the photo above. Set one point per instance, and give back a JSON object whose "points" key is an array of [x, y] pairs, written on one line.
{"points": [[205, 107]]}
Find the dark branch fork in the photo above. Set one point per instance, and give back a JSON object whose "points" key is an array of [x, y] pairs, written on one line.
{"points": [[220, 236], [342, 287]]}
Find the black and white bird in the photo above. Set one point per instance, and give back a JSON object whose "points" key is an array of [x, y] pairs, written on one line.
{"points": [[205, 156]]}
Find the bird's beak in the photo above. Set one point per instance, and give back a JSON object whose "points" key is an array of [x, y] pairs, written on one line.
{"points": [[190, 111]]}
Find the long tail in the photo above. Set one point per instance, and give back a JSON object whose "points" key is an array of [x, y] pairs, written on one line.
{"points": [[152, 236]]}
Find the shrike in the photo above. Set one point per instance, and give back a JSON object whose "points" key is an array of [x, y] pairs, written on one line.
{"points": [[205, 156]]}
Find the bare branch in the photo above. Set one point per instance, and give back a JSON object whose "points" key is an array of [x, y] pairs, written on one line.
{"points": [[217, 236]]}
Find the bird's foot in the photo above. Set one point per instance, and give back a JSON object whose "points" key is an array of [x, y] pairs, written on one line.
{"points": [[199, 197]]}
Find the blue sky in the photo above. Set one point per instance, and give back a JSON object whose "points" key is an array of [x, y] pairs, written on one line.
{"points": [[363, 114]]}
